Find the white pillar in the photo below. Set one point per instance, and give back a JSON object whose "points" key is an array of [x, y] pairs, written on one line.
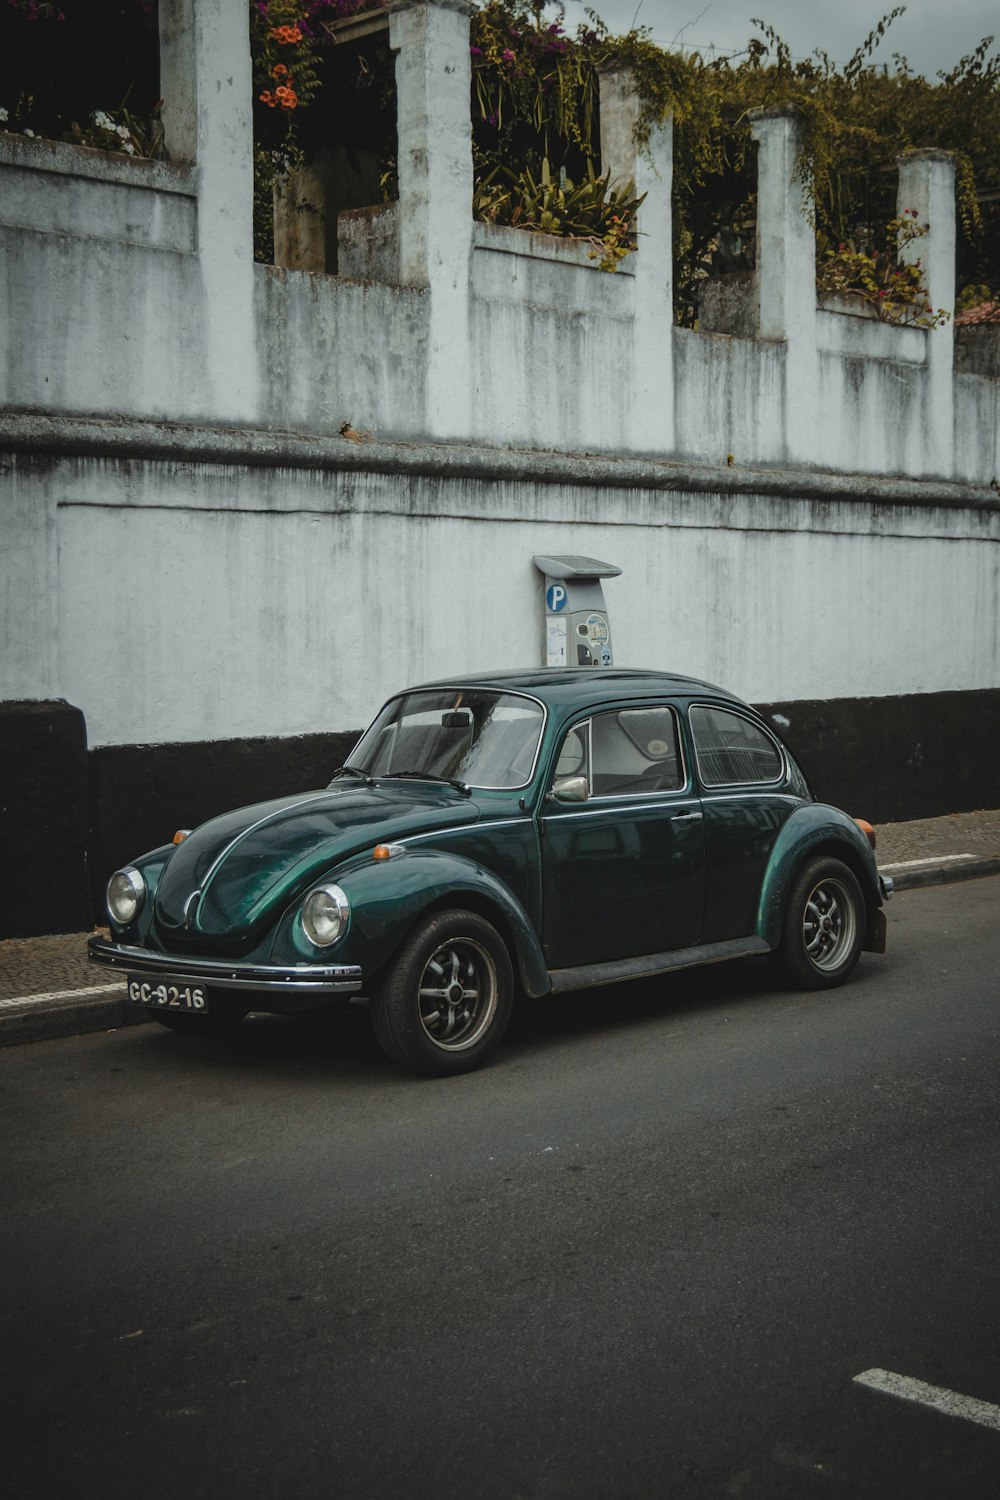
{"points": [[927, 185], [206, 81], [434, 123], [650, 168], [786, 269]]}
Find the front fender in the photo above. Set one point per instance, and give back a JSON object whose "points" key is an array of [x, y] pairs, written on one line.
{"points": [[813, 829], [388, 896]]}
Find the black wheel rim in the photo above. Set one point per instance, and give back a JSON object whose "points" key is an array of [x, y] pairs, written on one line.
{"points": [[829, 924], [458, 994]]}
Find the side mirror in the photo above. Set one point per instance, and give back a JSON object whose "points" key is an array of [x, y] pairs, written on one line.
{"points": [[570, 789]]}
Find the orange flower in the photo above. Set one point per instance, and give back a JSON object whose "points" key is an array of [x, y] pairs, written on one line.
{"points": [[268, 98], [279, 70], [286, 35], [286, 97]]}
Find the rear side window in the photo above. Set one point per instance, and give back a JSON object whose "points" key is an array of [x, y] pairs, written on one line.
{"points": [[732, 751]]}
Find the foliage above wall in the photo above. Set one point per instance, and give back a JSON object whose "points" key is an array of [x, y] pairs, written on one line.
{"points": [[889, 285], [535, 99], [535, 86]]}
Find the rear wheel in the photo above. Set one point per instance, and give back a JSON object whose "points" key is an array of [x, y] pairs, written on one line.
{"points": [[824, 926], [445, 1000]]}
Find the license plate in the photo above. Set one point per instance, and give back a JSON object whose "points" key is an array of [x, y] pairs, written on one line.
{"points": [[168, 994]]}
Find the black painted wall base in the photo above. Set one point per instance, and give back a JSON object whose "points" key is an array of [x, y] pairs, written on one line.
{"points": [[68, 819], [141, 794], [893, 759], [43, 820]]}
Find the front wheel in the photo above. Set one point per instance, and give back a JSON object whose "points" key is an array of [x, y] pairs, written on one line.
{"points": [[824, 926], [445, 1000]]}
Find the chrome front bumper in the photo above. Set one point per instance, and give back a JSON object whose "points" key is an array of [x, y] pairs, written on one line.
{"points": [[330, 979]]}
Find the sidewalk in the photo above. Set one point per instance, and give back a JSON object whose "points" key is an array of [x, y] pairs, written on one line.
{"points": [[48, 988]]}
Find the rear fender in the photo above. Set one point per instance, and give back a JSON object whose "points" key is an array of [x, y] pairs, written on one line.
{"points": [[814, 829]]}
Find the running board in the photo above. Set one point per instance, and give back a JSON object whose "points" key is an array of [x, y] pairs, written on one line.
{"points": [[588, 975]]}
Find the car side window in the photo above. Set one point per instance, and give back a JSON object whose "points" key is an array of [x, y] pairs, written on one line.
{"points": [[574, 756], [635, 751], [731, 750]]}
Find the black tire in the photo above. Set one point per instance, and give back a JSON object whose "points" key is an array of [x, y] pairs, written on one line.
{"points": [[445, 1000], [187, 1023], [824, 926]]}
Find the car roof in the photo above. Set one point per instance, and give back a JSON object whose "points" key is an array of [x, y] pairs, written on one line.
{"points": [[567, 687]]}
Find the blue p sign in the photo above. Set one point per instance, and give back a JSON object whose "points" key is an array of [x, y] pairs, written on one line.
{"points": [[555, 597]]}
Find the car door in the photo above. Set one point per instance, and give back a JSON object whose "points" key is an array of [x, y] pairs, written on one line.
{"points": [[746, 797], [622, 869]]}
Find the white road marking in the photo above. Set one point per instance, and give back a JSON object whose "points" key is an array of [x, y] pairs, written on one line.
{"points": [[94, 989], [935, 1396], [935, 859]]}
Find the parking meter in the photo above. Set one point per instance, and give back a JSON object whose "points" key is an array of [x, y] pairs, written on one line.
{"points": [[577, 628]]}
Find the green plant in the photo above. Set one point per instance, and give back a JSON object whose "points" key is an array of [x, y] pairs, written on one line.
{"points": [[591, 211], [534, 88], [893, 288], [535, 96], [120, 130], [972, 296]]}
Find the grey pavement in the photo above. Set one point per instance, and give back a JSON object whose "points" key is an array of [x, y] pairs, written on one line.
{"points": [[48, 988]]}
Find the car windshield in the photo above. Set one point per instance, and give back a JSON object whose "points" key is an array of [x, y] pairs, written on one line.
{"points": [[483, 739]]}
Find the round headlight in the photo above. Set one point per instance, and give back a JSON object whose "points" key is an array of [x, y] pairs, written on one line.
{"points": [[126, 893], [324, 915]]}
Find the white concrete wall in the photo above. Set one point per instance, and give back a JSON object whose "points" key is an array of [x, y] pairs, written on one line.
{"points": [[207, 597], [177, 600], [341, 351], [977, 428]]}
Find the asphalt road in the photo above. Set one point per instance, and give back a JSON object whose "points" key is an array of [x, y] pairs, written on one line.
{"points": [[643, 1254]]}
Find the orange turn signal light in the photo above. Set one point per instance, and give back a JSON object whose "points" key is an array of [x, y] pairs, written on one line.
{"points": [[867, 830], [181, 835], [388, 851]]}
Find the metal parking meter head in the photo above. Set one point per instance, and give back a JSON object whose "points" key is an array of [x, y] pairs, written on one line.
{"points": [[577, 628]]}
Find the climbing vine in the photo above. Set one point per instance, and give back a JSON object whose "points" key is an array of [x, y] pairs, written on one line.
{"points": [[535, 99], [856, 118]]}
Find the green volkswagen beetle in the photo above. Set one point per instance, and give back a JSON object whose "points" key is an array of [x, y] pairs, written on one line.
{"points": [[517, 833]]}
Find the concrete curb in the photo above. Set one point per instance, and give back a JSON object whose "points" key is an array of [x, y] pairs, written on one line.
{"points": [[40, 1021], [946, 874]]}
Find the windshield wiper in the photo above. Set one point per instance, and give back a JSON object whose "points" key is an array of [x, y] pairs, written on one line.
{"points": [[460, 786], [352, 771]]}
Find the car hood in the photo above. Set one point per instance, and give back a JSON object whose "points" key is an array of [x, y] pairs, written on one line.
{"points": [[234, 875]]}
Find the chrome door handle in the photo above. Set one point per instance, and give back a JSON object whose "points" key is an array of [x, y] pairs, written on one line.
{"points": [[687, 817]]}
